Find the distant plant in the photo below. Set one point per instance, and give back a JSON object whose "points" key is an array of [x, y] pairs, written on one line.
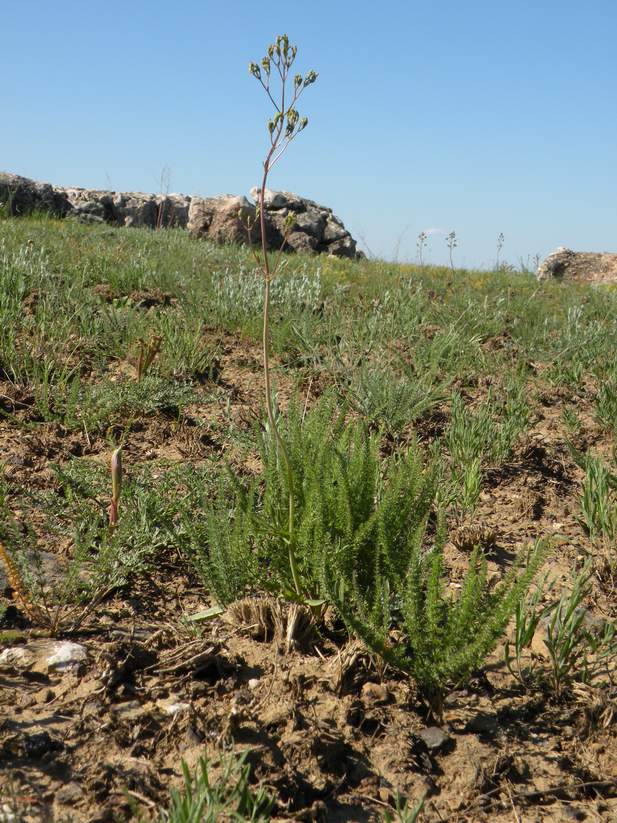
{"points": [[500, 241], [283, 127], [421, 246], [164, 185], [452, 244]]}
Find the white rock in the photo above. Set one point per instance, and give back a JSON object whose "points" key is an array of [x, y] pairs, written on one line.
{"points": [[65, 655], [175, 708]]}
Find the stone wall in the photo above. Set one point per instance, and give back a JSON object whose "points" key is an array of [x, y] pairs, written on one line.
{"points": [[313, 228]]}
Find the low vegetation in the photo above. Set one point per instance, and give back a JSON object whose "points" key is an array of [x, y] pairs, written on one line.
{"points": [[421, 519]]}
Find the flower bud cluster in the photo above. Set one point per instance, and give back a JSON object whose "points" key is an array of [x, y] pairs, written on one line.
{"points": [[280, 54]]}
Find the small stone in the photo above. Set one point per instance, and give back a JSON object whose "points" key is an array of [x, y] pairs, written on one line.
{"points": [[482, 724], [573, 813], [376, 693], [69, 794], [173, 709], [66, 655], [253, 683], [193, 737], [435, 738]]}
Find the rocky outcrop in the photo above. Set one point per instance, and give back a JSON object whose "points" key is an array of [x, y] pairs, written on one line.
{"points": [[307, 226], [222, 219], [22, 196], [314, 228], [591, 267]]}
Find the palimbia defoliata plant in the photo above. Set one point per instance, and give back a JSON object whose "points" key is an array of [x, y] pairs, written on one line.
{"points": [[274, 73]]}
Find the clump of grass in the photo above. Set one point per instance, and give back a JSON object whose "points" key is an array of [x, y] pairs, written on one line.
{"points": [[528, 615], [209, 797], [404, 812], [599, 499], [481, 438], [579, 650], [606, 403], [105, 552]]}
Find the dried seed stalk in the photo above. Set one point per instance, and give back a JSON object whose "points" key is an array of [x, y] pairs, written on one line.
{"points": [[16, 582], [116, 486]]}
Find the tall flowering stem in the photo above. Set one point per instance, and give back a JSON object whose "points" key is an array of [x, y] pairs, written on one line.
{"points": [[274, 74]]}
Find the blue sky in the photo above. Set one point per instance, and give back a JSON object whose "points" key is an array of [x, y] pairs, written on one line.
{"points": [[479, 117]]}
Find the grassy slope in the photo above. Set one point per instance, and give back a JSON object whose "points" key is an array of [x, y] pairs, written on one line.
{"points": [[484, 366]]}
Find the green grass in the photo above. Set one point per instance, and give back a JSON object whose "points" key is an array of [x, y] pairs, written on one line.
{"points": [[452, 365]]}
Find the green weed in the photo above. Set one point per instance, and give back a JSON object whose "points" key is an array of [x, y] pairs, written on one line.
{"points": [[208, 797], [579, 650], [599, 499]]}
